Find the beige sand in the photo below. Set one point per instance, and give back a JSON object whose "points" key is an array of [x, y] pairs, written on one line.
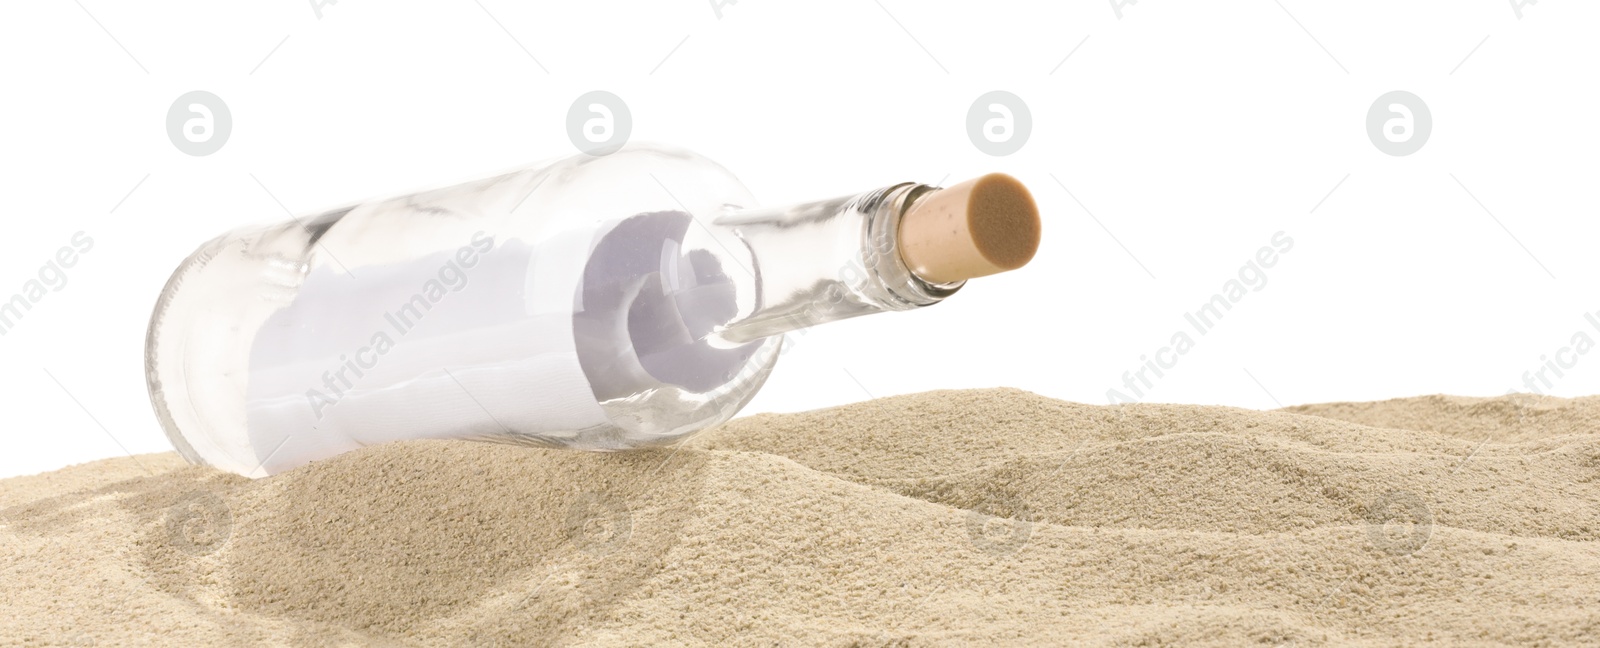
{"points": [[947, 518]]}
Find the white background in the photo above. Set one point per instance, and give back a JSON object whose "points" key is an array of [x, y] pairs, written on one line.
{"points": [[1192, 131]]}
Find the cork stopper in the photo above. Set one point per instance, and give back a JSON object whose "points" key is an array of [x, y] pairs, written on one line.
{"points": [[972, 229]]}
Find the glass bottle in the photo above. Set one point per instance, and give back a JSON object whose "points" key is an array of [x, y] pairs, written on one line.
{"points": [[599, 303]]}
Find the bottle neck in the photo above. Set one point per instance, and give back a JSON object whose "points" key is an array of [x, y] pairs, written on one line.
{"points": [[828, 260]]}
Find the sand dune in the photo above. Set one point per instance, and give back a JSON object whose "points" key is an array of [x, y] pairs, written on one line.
{"points": [[945, 518]]}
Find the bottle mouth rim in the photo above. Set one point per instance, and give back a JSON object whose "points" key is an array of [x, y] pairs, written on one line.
{"points": [[904, 289]]}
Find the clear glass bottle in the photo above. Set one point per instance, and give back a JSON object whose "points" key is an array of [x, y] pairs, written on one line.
{"points": [[599, 303]]}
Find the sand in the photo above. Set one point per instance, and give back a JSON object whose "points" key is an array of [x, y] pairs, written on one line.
{"points": [[946, 518]]}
